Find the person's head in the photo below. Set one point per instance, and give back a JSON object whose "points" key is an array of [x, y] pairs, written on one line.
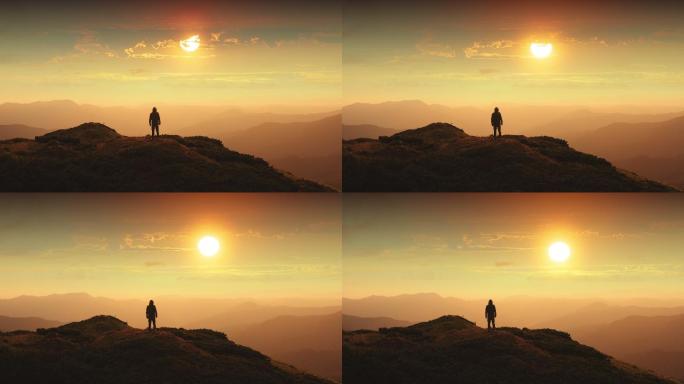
{"points": [[490, 301], [152, 302], [154, 109], [496, 109]]}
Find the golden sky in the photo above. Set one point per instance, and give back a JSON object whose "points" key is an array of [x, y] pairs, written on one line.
{"points": [[123, 53], [495, 245], [478, 52], [128, 245]]}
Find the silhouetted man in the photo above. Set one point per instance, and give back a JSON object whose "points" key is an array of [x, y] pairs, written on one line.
{"points": [[155, 121], [151, 313], [497, 121], [490, 314]]}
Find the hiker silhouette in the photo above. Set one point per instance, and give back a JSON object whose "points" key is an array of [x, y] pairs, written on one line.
{"points": [[497, 121], [155, 121], [151, 313], [490, 314]]}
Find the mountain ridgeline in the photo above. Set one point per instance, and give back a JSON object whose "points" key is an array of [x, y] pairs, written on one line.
{"points": [[442, 157], [105, 350], [94, 157], [451, 349]]}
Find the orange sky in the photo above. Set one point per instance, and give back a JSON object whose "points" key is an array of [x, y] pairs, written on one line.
{"points": [[479, 245], [127, 245]]}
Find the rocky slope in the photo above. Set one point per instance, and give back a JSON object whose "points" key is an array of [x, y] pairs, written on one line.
{"points": [[451, 349], [441, 157], [104, 349], [94, 157]]}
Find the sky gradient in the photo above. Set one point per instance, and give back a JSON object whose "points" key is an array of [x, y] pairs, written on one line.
{"points": [[144, 245], [477, 52], [126, 52], [495, 245]]}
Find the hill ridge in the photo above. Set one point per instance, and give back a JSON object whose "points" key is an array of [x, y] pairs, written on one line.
{"points": [[105, 349], [442, 157], [453, 349], [94, 157]]}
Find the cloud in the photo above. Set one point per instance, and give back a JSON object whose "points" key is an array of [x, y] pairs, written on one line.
{"points": [[492, 49], [430, 48], [154, 241], [215, 36], [87, 45], [253, 234], [504, 241], [90, 243], [158, 50]]}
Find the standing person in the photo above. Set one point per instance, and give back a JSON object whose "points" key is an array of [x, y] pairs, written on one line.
{"points": [[490, 315], [497, 121], [155, 121], [151, 313]]}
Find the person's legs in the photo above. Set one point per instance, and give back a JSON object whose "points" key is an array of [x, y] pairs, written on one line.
{"points": [[154, 323], [489, 323], [493, 323], [155, 129], [149, 323]]}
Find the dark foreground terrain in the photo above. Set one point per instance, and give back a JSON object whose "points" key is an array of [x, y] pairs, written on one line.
{"points": [[104, 349], [441, 157], [451, 349], [94, 157]]}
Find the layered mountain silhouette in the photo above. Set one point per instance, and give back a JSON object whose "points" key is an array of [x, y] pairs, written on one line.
{"points": [[8, 323], [104, 349], [442, 157], [357, 131], [311, 342], [12, 131], [653, 149], [355, 323], [309, 149], [653, 342], [94, 157], [451, 349]]}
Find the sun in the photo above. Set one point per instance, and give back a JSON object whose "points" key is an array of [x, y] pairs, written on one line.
{"points": [[208, 246], [541, 50], [190, 44], [559, 252]]}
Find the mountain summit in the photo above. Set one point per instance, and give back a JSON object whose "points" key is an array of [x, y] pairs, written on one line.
{"points": [[451, 349], [94, 157], [105, 350], [442, 157]]}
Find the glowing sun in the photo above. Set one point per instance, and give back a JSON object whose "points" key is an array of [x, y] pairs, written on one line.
{"points": [[559, 252], [541, 50], [208, 246], [190, 44]]}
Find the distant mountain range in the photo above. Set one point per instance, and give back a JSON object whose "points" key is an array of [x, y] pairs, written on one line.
{"points": [[11, 131], [309, 149], [8, 323], [311, 342], [355, 323], [94, 157], [443, 158], [350, 132], [451, 349], [652, 342], [104, 349]]}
